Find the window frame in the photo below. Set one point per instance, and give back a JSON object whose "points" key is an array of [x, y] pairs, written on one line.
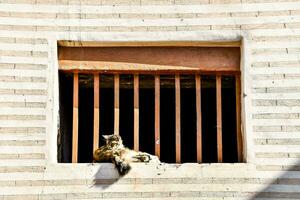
{"points": [[77, 70]]}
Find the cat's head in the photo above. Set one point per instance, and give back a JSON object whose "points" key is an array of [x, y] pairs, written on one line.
{"points": [[113, 140]]}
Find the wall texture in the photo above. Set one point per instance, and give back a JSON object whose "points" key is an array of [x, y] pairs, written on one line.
{"points": [[269, 29]]}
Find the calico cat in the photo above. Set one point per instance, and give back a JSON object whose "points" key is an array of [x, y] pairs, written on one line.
{"points": [[114, 151]]}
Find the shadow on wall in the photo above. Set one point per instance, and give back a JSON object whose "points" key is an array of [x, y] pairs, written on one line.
{"points": [[192, 180], [285, 186], [106, 175]]}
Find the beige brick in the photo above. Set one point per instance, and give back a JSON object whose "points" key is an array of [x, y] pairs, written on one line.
{"points": [[21, 197], [293, 50], [7, 40], [261, 26], [295, 12], [45, 15], [260, 64], [283, 90], [35, 104], [269, 77], [213, 15], [139, 29], [38, 79], [22, 79], [24, 28], [293, 141], [291, 76], [262, 102], [39, 54], [12, 104], [90, 28], [101, 16], [9, 156], [276, 116], [29, 183], [259, 90], [192, 28], [291, 128], [52, 196], [4, 14], [53, 28], [269, 51], [266, 1], [244, 14], [191, 2], [31, 92], [288, 102], [7, 78], [31, 156], [226, 27], [13, 130], [20, 168], [6, 27], [294, 155], [157, 2], [31, 40], [185, 194], [7, 183], [177, 15], [6, 66], [22, 117], [22, 142], [68, 15], [292, 25], [139, 16], [120, 2], [267, 128], [276, 13], [161, 28], [285, 64], [30, 66], [119, 29], [224, 1], [15, 53], [6, 91], [271, 155]]}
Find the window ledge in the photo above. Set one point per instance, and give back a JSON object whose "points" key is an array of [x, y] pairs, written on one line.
{"points": [[150, 170]]}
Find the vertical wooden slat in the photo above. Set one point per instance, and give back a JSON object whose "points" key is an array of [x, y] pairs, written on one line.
{"points": [[199, 118], [116, 103], [157, 115], [75, 119], [219, 117], [96, 111], [177, 119], [238, 118], [136, 112]]}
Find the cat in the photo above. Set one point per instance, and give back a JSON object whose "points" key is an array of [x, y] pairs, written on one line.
{"points": [[114, 151]]}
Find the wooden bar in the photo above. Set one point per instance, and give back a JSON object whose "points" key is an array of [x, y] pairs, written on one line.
{"points": [[116, 103], [136, 112], [157, 115], [219, 117], [238, 118], [177, 119], [75, 119], [96, 112], [199, 118]]}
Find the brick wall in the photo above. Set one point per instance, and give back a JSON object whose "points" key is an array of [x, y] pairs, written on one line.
{"points": [[29, 30]]}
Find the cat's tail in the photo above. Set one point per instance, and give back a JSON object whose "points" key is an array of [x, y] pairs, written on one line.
{"points": [[123, 167]]}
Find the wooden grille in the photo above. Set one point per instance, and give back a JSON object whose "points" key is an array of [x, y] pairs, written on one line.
{"points": [[177, 108]]}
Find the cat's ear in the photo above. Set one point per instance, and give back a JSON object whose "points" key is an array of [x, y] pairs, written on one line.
{"points": [[105, 137]]}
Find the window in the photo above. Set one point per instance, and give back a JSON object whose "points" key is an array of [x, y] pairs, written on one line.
{"points": [[180, 103]]}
